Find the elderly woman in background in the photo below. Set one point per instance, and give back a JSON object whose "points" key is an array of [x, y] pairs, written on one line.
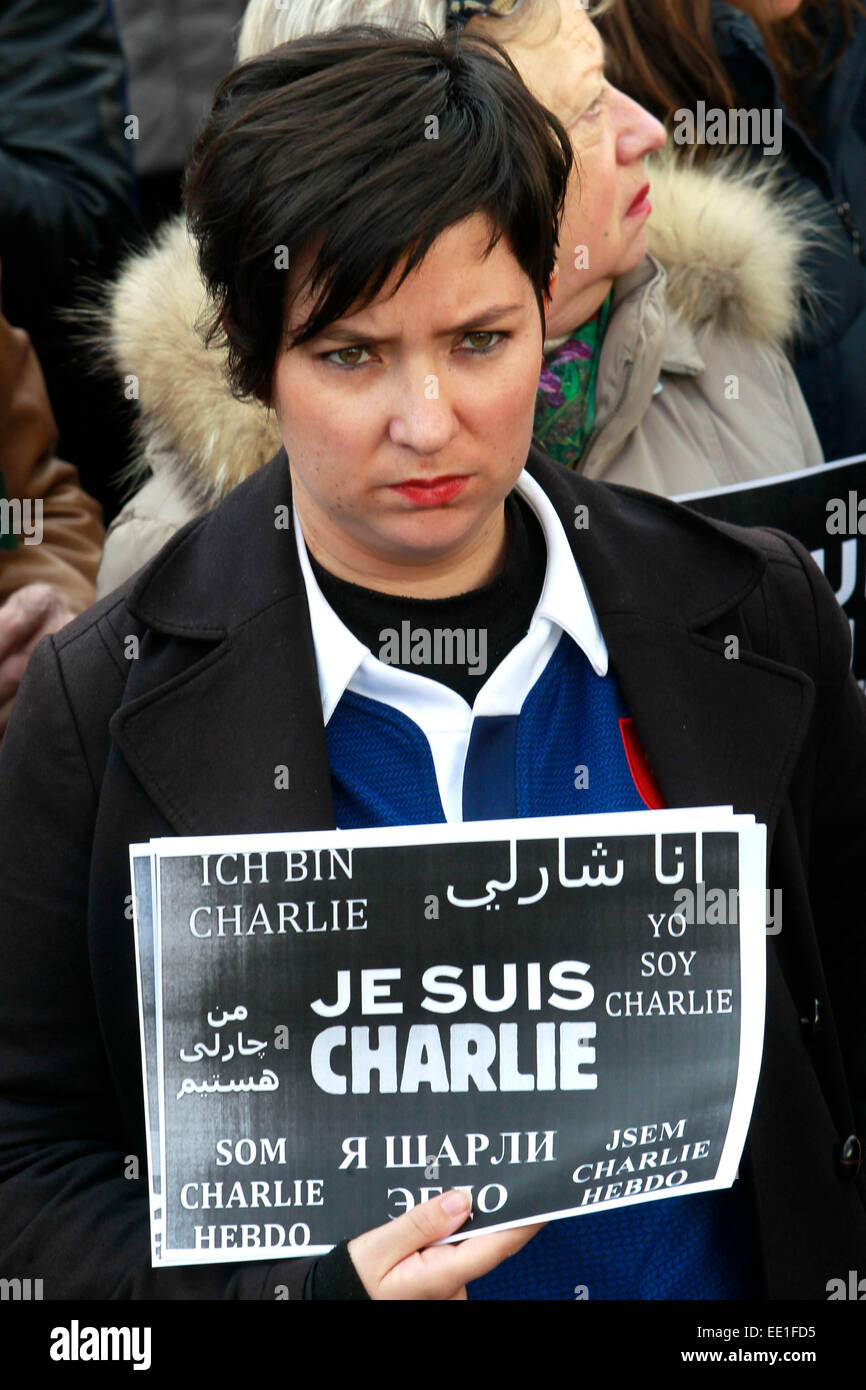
{"points": [[803, 64], [664, 372]]}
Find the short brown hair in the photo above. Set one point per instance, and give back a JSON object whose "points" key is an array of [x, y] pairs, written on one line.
{"points": [[366, 145]]}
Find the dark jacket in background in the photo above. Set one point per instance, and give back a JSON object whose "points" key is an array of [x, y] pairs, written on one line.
{"points": [[103, 750], [177, 51], [830, 169], [67, 198]]}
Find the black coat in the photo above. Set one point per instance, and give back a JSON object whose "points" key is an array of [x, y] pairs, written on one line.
{"points": [[68, 207], [179, 732]]}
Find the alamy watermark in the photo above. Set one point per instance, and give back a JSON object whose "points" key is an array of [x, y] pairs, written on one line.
{"points": [[20, 1290], [714, 907], [22, 518], [77, 1343], [846, 516], [438, 646], [854, 1288], [737, 126]]}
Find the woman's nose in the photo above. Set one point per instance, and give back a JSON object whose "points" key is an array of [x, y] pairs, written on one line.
{"points": [[639, 133], [421, 414]]}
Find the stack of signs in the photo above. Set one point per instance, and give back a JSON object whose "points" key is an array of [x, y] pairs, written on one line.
{"points": [[561, 1015], [825, 508]]}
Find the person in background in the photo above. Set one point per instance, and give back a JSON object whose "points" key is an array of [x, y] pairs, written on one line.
{"points": [[176, 52], [803, 63], [51, 532], [665, 372], [67, 207]]}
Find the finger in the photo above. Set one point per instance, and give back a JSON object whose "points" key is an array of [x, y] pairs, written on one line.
{"points": [[56, 619], [23, 614], [13, 666], [12, 631], [376, 1252], [482, 1253], [436, 1272], [13, 663]]}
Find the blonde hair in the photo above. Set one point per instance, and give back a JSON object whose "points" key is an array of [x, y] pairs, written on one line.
{"points": [[268, 23]]}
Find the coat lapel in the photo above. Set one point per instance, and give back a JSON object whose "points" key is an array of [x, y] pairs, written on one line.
{"points": [[716, 730], [228, 714], [239, 724]]}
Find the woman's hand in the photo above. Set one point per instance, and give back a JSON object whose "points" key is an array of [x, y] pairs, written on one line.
{"points": [[26, 616], [400, 1260]]}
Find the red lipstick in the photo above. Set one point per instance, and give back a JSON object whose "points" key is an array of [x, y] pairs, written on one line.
{"points": [[640, 205], [433, 493]]}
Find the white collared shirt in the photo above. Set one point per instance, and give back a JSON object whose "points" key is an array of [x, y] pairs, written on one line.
{"points": [[344, 663]]}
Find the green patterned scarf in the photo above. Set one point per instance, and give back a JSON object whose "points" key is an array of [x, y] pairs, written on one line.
{"points": [[565, 403]]}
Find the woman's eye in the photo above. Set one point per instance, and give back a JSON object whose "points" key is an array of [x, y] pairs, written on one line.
{"points": [[488, 334], [352, 356], [595, 109], [342, 353]]}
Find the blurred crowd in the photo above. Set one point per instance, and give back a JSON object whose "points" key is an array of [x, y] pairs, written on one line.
{"points": [[729, 348]]}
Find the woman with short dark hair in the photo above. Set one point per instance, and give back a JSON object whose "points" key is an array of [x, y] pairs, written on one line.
{"points": [[324, 186], [408, 489]]}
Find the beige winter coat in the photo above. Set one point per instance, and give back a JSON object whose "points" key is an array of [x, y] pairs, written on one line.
{"points": [[693, 390]]}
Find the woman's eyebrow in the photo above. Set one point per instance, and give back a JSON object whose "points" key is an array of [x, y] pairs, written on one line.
{"points": [[571, 110], [598, 46], [597, 68], [347, 335]]}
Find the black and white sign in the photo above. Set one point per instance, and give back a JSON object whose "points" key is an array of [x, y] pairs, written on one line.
{"points": [[560, 1014], [825, 509]]}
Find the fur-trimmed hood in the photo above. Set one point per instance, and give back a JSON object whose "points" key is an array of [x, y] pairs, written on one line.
{"points": [[730, 246], [733, 242]]}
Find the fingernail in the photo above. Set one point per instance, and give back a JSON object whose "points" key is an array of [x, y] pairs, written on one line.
{"points": [[456, 1203]]}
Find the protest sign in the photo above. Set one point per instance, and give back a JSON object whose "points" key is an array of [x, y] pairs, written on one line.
{"points": [[825, 509], [143, 873], [561, 1014]]}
